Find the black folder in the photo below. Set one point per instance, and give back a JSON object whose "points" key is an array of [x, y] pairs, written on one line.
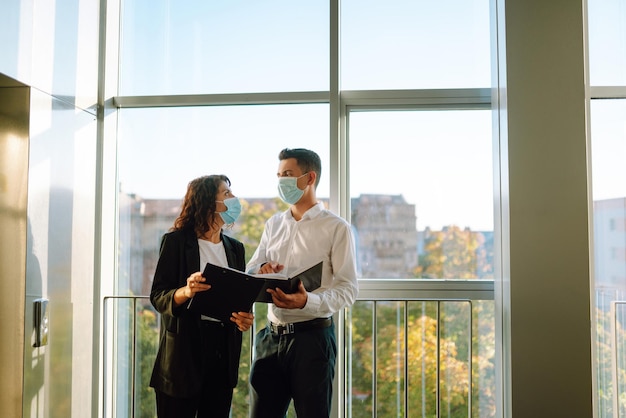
{"points": [[311, 278], [235, 291], [231, 291]]}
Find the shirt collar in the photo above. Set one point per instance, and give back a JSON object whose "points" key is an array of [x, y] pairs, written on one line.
{"points": [[311, 213]]}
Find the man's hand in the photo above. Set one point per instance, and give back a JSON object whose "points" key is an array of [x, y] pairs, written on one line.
{"points": [[295, 300], [271, 267]]}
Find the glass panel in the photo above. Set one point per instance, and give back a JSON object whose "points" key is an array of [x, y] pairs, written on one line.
{"points": [[422, 360], [607, 42], [616, 322], [146, 345], [132, 331], [422, 194], [360, 359], [390, 360], [232, 46], [455, 358], [161, 150], [608, 150], [403, 44]]}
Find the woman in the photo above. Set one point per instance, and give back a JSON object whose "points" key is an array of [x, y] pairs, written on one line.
{"points": [[196, 366]]}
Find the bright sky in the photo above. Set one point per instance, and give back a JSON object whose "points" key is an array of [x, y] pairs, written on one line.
{"points": [[439, 161]]}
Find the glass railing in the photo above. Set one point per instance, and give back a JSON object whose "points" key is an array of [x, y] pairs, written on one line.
{"points": [[618, 358], [130, 340], [410, 348], [423, 348]]}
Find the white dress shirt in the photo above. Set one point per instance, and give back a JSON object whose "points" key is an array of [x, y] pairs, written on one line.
{"points": [[319, 236]]}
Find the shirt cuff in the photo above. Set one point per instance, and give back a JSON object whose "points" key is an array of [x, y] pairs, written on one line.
{"points": [[313, 303]]}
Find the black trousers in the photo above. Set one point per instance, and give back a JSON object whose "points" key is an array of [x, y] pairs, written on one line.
{"points": [[215, 398], [298, 366]]}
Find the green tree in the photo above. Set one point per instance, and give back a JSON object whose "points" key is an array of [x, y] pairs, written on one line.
{"points": [[451, 254], [387, 347]]}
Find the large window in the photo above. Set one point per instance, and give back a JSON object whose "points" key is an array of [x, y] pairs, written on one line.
{"points": [[607, 63], [222, 87]]}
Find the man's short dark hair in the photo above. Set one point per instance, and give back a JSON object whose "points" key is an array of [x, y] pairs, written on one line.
{"points": [[306, 159]]}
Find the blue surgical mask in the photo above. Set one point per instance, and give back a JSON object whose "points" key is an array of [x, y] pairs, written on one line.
{"points": [[233, 210], [288, 189]]}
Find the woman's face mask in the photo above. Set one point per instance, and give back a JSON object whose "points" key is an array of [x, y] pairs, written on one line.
{"points": [[288, 189], [233, 209]]}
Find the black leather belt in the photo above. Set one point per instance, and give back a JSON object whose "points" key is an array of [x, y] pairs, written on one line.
{"points": [[284, 329]]}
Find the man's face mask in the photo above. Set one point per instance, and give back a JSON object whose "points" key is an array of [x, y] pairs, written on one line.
{"points": [[288, 189]]}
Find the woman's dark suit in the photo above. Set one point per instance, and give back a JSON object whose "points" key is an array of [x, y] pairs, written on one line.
{"points": [[176, 370]]}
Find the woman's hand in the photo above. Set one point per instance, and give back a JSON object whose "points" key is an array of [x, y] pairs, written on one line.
{"points": [[195, 284], [243, 320]]}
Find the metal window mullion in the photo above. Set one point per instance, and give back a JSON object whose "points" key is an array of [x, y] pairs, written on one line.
{"points": [[374, 356], [233, 99], [133, 354], [346, 411], [406, 358], [478, 97], [437, 99], [438, 363], [423, 360], [607, 92], [398, 359], [471, 359], [105, 362]]}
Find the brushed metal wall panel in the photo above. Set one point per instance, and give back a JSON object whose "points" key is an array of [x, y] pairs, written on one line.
{"points": [[60, 258], [14, 134]]}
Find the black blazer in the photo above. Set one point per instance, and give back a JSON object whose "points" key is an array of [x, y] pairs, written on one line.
{"points": [[177, 370]]}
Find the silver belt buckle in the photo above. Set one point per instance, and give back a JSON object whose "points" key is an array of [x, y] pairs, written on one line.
{"points": [[285, 329]]}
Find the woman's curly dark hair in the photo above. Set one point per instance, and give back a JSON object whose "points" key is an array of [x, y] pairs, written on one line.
{"points": [[198, 211]]}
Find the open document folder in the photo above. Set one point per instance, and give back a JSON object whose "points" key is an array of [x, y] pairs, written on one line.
{"points": [[235, 291], [311, 278]]}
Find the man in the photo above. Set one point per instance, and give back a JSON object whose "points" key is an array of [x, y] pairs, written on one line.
{"points": [[295, 354]]}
